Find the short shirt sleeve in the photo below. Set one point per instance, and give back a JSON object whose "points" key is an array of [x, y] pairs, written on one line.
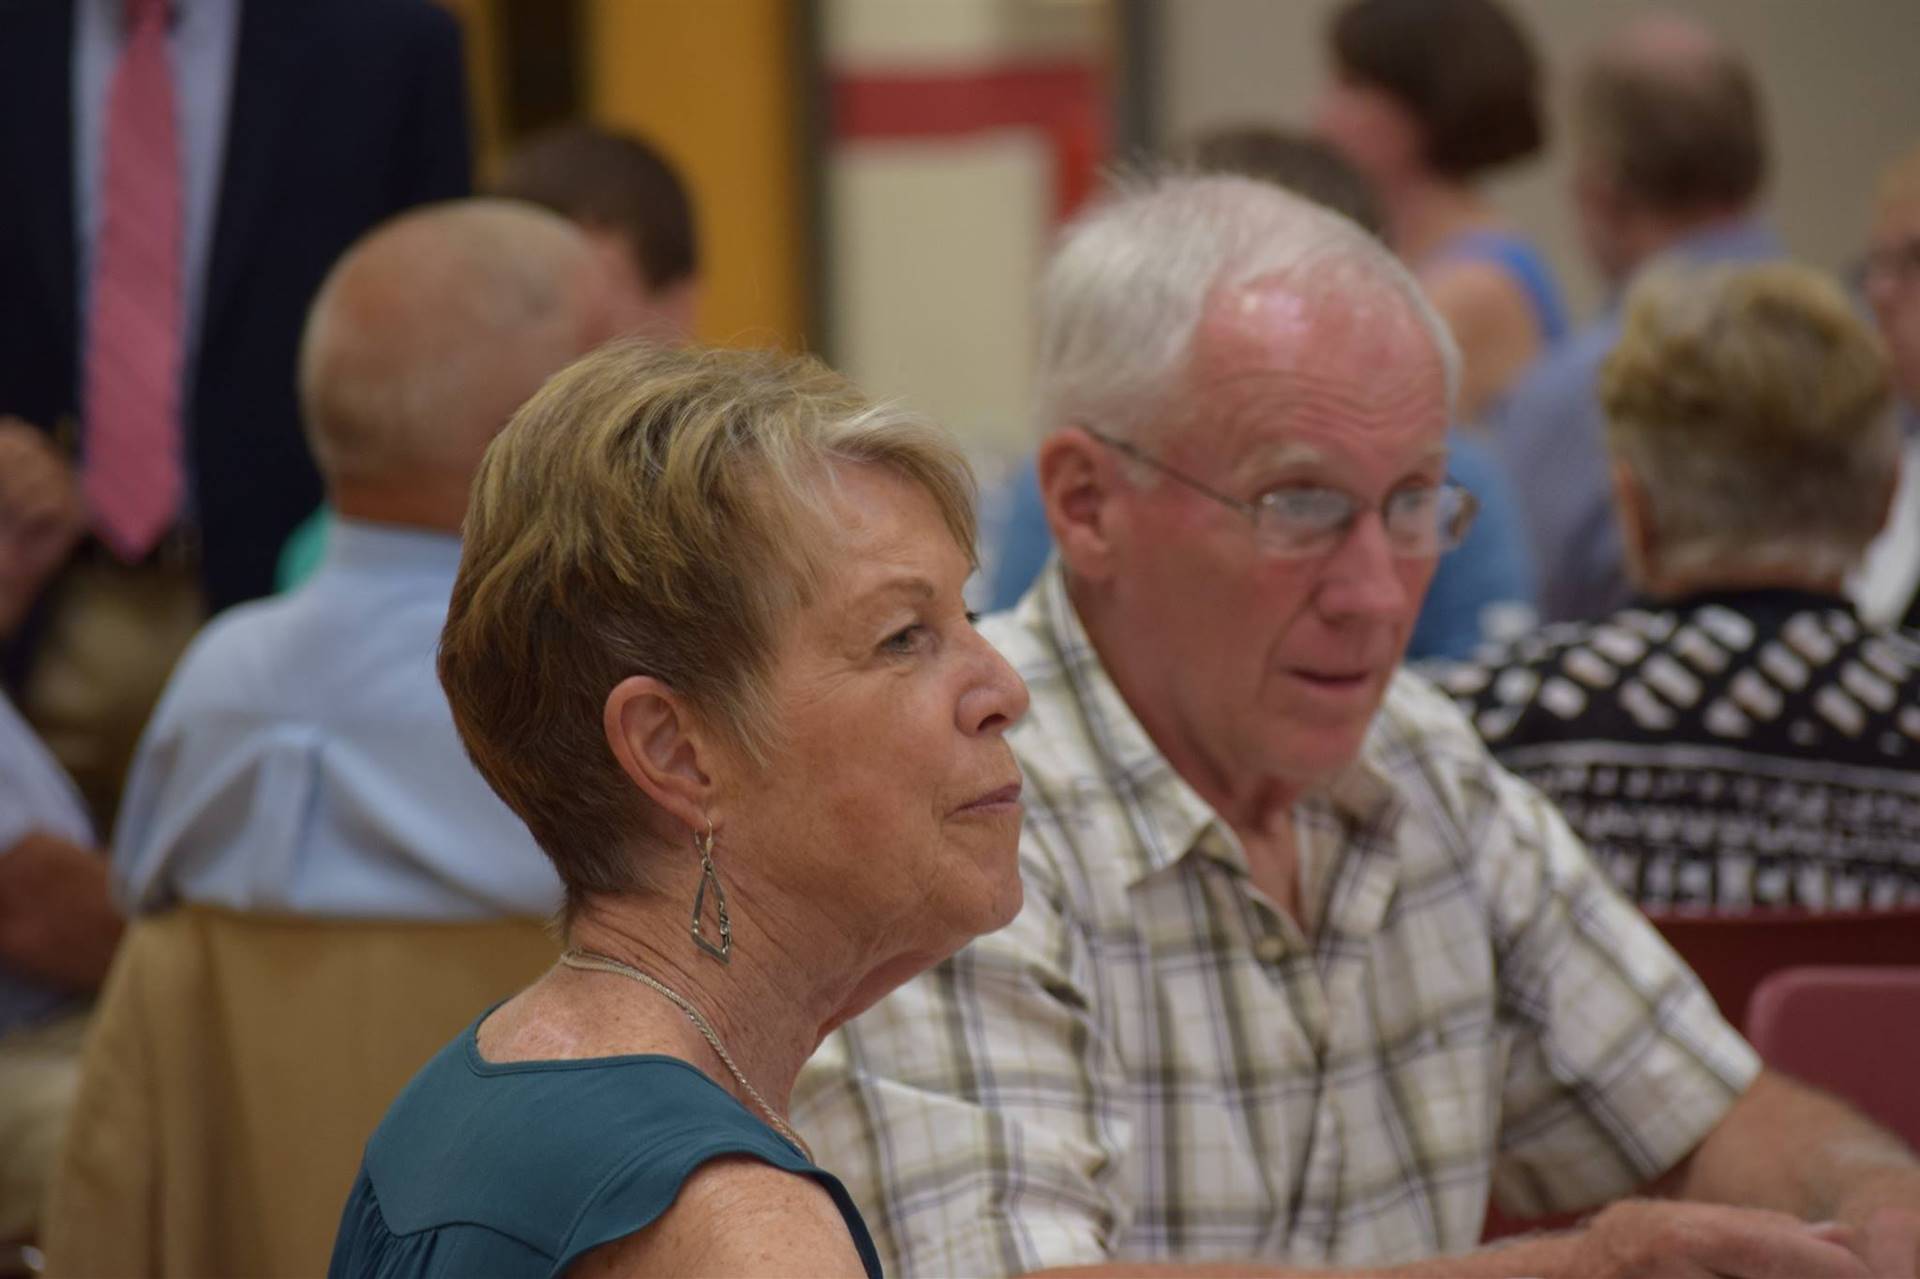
{"points": [[1619, 1063]]}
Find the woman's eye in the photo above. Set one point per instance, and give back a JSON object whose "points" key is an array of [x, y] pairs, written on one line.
{"points": [[905, 640], [973, 617]]}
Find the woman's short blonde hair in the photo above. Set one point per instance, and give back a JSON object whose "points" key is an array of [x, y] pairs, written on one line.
{"points": [[651, 512], [1751, 404]]}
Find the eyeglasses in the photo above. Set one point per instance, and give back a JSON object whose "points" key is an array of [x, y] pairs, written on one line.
{"points": [[1306, 521]]}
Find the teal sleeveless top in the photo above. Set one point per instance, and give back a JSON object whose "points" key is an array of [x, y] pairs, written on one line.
{"points": [[517, 1168]]}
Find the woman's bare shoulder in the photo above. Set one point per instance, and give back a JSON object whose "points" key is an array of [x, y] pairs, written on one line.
{"points": [[735, 1216]]}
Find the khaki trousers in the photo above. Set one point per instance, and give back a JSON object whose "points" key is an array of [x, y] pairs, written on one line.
{"points": [[113, 636], [39, 1077]]}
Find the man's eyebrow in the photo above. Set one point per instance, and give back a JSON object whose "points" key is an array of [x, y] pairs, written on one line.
{"points": [[1280, 455]]}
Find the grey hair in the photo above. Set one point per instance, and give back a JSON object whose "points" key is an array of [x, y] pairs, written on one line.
{"points": [[1128, 282], [1751, 403]]}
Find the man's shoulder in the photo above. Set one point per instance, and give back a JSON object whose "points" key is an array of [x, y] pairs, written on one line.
{"points": [[375, 18], [239, 653], [1563, 381], [1417, 720], [316, 647]]}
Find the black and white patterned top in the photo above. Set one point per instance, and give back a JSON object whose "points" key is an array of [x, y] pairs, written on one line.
{"points": [[1735, 751]]}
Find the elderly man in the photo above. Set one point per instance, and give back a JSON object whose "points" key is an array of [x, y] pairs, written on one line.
{"points": [[1670, 155], [1740, 738], [637, 215], [1888, 585], [1301, 973], [303, 759]]}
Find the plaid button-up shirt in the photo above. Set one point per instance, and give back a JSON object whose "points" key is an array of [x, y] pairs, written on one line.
{"points": [[1153, 1063]]}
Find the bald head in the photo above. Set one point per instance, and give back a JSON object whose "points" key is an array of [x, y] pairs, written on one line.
{"points": [[1677, 42], [1669, 115], [426, 337]]}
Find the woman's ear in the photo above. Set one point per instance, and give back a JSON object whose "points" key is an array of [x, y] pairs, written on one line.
{"points": [[1076, 485], [661, 746]]}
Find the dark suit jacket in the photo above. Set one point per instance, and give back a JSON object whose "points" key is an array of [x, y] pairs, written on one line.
{"points": [[343, 112]]}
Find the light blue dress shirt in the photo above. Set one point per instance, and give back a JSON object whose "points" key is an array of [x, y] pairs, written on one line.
{"points": [[202, 39], [1550, 433], [1491, 570], [303, 759], [35, 795]]}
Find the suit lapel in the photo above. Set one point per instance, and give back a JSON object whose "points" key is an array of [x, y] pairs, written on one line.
{"points": [[265, 82], [36, 98]]}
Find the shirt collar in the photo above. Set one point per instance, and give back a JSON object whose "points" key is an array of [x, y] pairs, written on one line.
{"points": [[1744, 239], [360, 546], [1132, 764]]}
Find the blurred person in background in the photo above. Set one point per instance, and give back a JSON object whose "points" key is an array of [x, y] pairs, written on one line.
{"points": [[709, 640], [303, 760], [1485, 585], [1739, 738], [1670, 154], [1427, 98], [180, 176], [58, 930], [1302, 973], [1887, 588], [58, 927], [633, 206], [634, 209]]}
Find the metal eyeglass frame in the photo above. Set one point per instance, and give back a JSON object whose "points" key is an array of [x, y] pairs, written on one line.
{"points": [[1448, 532]]}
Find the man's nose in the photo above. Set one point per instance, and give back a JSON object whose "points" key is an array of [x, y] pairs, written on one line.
{"points": [[1362, 577]]}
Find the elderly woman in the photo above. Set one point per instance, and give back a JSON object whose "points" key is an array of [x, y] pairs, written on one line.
{"points": [[1741, 738], [708, 641]]}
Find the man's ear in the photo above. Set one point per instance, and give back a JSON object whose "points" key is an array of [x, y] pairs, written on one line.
{"points": [[1078, 483], [1890, 493], [1639, 540], [662, 747]]}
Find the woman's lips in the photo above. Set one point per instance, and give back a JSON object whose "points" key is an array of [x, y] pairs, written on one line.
{"points": [[994, 801]]}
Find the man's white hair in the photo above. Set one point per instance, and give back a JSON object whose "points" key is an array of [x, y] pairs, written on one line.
{"points": [[1130, 278]]}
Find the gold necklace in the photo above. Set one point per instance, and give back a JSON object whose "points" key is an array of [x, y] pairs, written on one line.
{"points": [[593, 961]]}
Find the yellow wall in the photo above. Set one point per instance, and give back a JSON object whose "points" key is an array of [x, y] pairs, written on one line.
{"points": [[480, 25], [713, 84]]}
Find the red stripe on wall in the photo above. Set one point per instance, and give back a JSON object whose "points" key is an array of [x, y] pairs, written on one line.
{"points": [[1066, 101]]}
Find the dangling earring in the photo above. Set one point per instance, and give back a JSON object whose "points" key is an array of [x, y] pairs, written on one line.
{"points": [[724, 951]]}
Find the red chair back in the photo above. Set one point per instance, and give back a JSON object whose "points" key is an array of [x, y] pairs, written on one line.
{"points": [[1733, 954], [1852, 1031]]}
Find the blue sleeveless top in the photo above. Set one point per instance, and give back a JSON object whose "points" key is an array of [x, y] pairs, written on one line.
{"points": [[517, 1168], [1517, 257]]}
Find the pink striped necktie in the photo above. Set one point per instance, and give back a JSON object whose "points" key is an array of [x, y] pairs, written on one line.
{"points": [[133, 467]]}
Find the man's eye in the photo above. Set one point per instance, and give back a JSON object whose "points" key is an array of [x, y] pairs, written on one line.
{"points": [[1410, 502], [1315, 507]]}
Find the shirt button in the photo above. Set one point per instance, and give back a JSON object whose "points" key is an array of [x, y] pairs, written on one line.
{"points": [[1270, 949]]}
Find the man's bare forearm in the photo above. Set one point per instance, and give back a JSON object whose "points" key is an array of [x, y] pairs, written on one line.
{"points": [[1532, 1255], [1790, 1148]]}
